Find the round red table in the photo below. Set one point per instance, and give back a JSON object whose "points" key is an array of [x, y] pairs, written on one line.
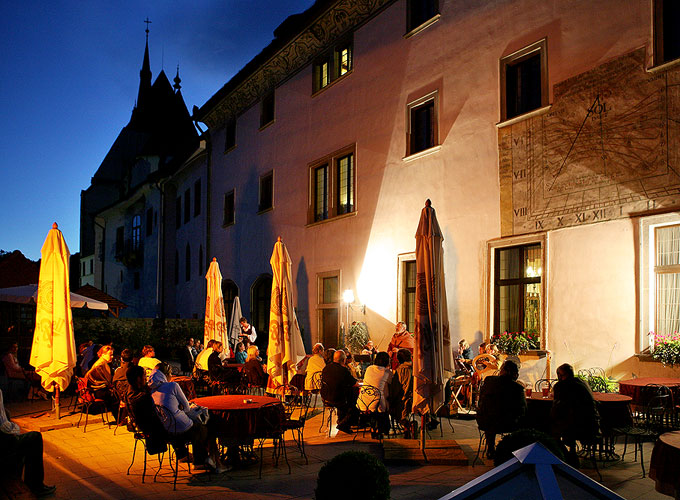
{"points": [[664, 467], [239, 418], [634, 387]]}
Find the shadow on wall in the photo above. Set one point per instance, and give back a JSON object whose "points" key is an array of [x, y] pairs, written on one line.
{"points": [[380, 329], [642, 366], [302, 285]]}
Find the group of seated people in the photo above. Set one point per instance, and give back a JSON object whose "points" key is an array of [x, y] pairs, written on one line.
{"points": [[214, 364], [502, 408], [21, 383]]}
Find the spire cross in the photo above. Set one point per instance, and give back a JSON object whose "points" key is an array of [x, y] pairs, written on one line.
{"points": [[147, 27]]}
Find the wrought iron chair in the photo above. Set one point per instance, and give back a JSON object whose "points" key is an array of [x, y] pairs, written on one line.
{"points": [[142, 437], [296, 409], [86, 400], [169, 422], [270, 419], [544, 382], [368, 404]]}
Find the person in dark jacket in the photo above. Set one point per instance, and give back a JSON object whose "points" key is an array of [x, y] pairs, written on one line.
{"points": [[142, 409], [100, 379], [338, 389], [120, 383], [253, 368], [216, 371], [502, 404]]}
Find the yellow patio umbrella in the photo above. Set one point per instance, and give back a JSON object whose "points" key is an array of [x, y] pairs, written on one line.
{"points": [[285, 348], [53, 353], [215, 325], [432, 354]]}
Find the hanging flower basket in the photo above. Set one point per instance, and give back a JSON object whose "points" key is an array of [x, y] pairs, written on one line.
{"points": [[514, 343]]}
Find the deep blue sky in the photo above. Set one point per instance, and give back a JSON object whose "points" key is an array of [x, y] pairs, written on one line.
{"points": [[69, 74]]}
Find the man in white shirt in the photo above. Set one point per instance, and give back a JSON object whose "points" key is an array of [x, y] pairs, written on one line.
{"points": [[247, 334]]}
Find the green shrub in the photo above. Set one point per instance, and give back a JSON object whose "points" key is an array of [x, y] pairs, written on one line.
{"points": [[525, 437], [367, 476]]}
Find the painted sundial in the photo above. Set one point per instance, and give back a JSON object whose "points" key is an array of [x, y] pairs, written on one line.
{"points": [[607, 149]]}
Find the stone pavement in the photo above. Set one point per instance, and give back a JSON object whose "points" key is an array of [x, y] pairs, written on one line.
{"points": [[94, 465]]}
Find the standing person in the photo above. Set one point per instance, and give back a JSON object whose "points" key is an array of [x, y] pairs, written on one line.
{"points": [[502, 405], [401, 339], [148, 361], [27, 449], [248, 335], [574, 413]]}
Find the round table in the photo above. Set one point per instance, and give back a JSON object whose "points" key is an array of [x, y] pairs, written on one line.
{"points": [[634, 387], [664, 467], [238, 418]]}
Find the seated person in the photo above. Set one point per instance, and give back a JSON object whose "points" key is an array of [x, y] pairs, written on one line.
{"points": [[255, 374], [216, 370], [24, 378], [100, 379], [338, 389], [502, 404], [401, 391], [202, 358], [369, 349], [120, 383], [401, 339], [241, 354], [187, 356], [574, 412], [25, 451], [170, 396], [315, 364], [148, 361], [380, 376], [352, 365]]}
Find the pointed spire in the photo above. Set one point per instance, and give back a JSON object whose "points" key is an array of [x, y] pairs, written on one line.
{"points": [[177, 81], [145, 72]]}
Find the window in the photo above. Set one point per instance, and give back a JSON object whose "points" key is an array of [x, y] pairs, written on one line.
{"points": [[228, 217], [266, 198], [419, 12], [200, 260], [136, 232], [136, 280], [666, 31], [149, 221], [333, 64], [230, 136], [328, 309], [187, 205], [517, 288], [120, 241], [178, 212], [261, 298], [408, 294], [422, 133], [229, 293], [197, 198], [267, 109], [332, 186], [524, 80], [187, 264], [660, 276]]}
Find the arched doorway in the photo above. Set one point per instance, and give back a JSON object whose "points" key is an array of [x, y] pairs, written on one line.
{"points": [[229, 293]]}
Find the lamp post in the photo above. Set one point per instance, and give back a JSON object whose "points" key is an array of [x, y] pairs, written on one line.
{"points": [[347, 298]]}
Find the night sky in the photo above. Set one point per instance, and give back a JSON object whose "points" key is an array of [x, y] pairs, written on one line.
{"points": [[69, 76]]}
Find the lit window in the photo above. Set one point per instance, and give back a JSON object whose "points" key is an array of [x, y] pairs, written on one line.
{"points": [[228, 216], [332, 186], [333, 64], [423, 128], [266, 197], [666, 30], [524, 80]]}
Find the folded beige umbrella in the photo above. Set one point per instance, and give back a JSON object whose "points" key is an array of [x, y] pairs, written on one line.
{"points": [[285, 348], [53, 353], [215, 325]]}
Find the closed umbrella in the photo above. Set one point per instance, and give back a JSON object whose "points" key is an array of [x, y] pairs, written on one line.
{"points": [[234, 325], [432, 355], [286, 348], [215, 325], [53, 353]]}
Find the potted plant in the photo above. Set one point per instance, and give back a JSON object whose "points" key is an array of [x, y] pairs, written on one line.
{"points": [[515, 343], [665, 348]]}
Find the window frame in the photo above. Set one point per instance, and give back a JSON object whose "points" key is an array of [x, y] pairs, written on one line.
{"points": [[136, 233], [413, 106], [506, 243], [658, 28], [260, 207], [402, 309], [411, 28], [229, 194], [332, 185], [332, 59], [517, 57], [267, 110], [230, 135], [323, 306]]}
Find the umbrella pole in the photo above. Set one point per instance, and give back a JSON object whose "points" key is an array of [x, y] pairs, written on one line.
{"points": [[56, 400]]}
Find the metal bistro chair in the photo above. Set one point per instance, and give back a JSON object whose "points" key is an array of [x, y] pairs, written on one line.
{"points": [[316, 388], [169, 422], [368, 403], [544, 382], [271, 417], [160, 446], [331, 409], [295, 405], [87, 399]]}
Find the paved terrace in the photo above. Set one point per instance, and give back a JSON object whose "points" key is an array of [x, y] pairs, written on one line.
{"points": [[94, 465]]}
